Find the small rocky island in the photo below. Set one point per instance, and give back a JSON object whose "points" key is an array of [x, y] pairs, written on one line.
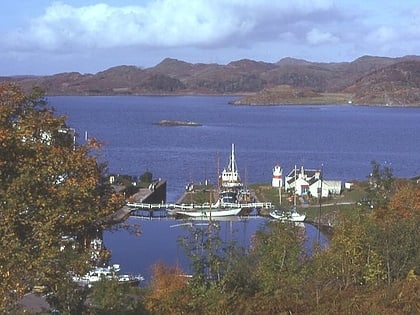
{"points": [[174, 123]]}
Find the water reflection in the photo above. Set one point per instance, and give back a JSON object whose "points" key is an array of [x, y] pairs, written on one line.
{"points": [[158, 240]]}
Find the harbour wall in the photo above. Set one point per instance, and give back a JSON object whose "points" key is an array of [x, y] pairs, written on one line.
{"points": [[155, 193]]}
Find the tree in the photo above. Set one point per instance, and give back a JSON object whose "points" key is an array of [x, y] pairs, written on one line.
{"points": [[146, 177], [167, 291], [111, 297], [404, 203], [213, 262], [345, 271], [398, 232], [50, 189], [280, 266], [398, 245], [380, 184], [354, 257]]}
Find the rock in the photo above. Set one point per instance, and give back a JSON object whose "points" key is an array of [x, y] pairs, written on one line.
{"points": [[174, 123]]}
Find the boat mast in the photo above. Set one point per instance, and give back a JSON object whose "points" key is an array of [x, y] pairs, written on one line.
{"points": [[211, 200], [218, 175], [232, 159], [280, 195], [294, 195]]}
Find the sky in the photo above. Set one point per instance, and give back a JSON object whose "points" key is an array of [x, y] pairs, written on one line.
{"points": [[45, 37]]}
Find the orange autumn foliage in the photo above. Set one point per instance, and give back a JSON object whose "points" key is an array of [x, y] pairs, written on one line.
{"points": [[166, 289], [405, 203]]}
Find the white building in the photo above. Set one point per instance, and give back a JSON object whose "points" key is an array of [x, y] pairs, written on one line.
{"points": [[277, 180], [310, 182]]}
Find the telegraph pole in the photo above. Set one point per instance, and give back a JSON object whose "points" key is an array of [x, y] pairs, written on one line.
{"points": [[320, 204]]}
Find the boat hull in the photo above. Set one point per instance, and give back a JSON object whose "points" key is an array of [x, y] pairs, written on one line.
{"points": [[208, 213], [108, 273], [287, 216]]}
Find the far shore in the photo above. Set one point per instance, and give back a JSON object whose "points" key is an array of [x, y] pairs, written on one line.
{"points": [[243, 100]]}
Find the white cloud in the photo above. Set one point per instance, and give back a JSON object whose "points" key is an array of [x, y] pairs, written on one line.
{"points": [[383, 34], [316, 37], [74, 36], [165, 23], [413, 28]]}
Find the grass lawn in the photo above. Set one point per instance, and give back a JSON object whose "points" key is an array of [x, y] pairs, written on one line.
{"points": [[345, 203], [331, 207]]}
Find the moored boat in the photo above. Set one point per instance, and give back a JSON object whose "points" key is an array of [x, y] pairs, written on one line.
{"points": [[107, 273], [229, 178], [231, 198], [209, 213], [291, 215]]}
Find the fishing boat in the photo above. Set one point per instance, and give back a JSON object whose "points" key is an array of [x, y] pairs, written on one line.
{"points": [[107, 273], [229, 179], [231, 196]]}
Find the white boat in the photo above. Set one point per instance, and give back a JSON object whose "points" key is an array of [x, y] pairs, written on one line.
{"points": [[109, 273], [211, 213], [291, 215], [230, 201], [229, 179]]}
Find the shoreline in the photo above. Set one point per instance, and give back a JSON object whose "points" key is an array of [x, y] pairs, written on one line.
{"points": [[232, 103]]}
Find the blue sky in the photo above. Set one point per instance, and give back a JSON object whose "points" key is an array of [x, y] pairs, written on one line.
{"points": [[46, 37]]}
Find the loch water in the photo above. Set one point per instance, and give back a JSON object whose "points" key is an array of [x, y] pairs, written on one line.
{"points": [[343, 139]]}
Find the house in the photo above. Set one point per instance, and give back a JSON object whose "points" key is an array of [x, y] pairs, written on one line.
{"points": [[309, 182]]}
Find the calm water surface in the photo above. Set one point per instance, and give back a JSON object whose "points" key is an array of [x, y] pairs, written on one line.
{"points": [[344, 139]]}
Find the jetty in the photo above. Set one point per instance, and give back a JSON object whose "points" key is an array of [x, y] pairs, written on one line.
{"points": [[193, 206], [171, 209], [154, 194]]}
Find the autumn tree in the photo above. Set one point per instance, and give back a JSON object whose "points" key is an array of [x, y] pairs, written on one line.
{"points": [[167, 291], [51, 189], [355, 258], [217, 281], [279, 257], [398, 232], [403, 204]]}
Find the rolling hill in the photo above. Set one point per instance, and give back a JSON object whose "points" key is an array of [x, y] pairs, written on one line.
{"points": [[366, 80]]}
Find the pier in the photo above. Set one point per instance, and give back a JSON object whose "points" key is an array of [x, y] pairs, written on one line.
{"points": [[159, 210], [139, 209], [176, 206], [155, 193]]}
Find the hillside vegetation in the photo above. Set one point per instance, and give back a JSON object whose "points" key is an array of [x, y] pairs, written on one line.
{"points": [[366, 80]]}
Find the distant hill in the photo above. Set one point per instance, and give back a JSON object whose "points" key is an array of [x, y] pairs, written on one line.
{"points": [[366, 80], [397, 84]]}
